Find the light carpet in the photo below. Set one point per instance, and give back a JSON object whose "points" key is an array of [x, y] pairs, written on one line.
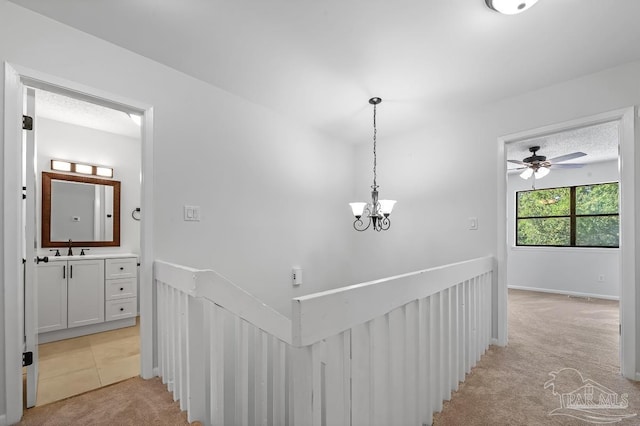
{"points": [[547, 333]]}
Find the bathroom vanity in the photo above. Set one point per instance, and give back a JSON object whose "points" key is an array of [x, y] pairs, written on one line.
{"points": [[79, 295]]}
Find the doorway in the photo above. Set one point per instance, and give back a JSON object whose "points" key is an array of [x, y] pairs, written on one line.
{"points": [[15, 77], [620, 266], [78, 208]]}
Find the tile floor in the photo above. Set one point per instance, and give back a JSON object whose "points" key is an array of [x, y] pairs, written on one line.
{"points": [[74, 366]]}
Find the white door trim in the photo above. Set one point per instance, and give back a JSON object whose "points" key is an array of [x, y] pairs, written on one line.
{"points": [[14, 74], [628, 302]]}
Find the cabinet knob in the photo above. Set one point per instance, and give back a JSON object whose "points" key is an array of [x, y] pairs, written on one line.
{"points": [[122, 268], [121, 309], [121, 288]]}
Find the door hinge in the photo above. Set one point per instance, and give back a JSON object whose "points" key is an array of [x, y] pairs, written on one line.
{"points": [[620, 329], [27, 122], [27, 358], [24, 195]]}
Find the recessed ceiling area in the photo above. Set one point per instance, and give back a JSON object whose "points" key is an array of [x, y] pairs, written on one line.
{"points": [[69, 110], [319, 62], [599, 142]]}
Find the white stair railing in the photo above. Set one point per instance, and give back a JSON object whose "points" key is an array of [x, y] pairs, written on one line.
{"points": [[384, 352]]}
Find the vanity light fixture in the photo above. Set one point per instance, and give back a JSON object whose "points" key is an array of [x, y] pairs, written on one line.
{"points": [[377, 211], [510, 7], [85, 169]]}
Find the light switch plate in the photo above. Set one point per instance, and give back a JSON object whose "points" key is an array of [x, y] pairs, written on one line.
{"points": [[473, 223], [192, 213]]}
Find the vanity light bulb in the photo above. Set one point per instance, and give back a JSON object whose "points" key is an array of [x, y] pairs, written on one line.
{"points": [[104, 171], [84, 169], [63, 166]]}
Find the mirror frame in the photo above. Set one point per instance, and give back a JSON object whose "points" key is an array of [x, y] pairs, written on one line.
{"points": [[47, 177]]}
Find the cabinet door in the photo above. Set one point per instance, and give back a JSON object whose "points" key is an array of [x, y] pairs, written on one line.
{"points": [[52, 296], [85, 292]]}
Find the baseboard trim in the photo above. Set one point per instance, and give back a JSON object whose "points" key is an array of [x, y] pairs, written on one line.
{"points": [[638, 374], [3, 419], [156, 372], [494, 341], [68, 333], [567, 293]]}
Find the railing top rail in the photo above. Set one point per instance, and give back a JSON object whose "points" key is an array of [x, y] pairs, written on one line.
{"points": [[217, 289], [321, 315]]}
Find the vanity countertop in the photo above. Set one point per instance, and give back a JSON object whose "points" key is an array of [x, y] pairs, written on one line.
{"points": [[91, 256]]}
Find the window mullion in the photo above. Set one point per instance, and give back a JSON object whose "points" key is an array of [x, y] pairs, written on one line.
{"points": [[572, 216]]}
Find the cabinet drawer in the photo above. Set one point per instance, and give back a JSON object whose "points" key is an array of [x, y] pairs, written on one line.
{"points": [[121, 268], [122, 308], [120, 288]]}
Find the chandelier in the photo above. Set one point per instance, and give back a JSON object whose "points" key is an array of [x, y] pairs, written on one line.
{"points": [[376, 212]]}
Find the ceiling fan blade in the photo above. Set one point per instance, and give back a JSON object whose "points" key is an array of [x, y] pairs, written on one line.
{"points": [[567, 157], [566, 166], [518, 162]]}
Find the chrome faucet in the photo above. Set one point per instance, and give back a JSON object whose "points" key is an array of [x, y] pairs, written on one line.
{"points": [[70, 252]]}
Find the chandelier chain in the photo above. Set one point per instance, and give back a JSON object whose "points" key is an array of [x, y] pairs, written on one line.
{"points": [[375, 185]]}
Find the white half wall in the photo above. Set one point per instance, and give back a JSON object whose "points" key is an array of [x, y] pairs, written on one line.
{"points": [[64, 141], [565, 270]]}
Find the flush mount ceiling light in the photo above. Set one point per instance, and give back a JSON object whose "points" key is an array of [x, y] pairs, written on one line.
{"points": [[377, 211], [510, 7]]}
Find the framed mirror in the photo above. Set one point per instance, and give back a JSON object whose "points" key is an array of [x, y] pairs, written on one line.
{"points": [[85, 210]]}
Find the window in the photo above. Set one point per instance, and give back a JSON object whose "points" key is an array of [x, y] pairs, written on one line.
{"points": [[573, 216]]}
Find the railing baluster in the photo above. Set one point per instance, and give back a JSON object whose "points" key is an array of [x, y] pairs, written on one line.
{"points": [[454, 326], [445, 305], [424, 362], [361, 371], [411, 342], [380, 371], [396, 364], [436, 366]]}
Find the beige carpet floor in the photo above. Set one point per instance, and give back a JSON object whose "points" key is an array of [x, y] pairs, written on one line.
{"points": [[547, 333], [131, 402]]}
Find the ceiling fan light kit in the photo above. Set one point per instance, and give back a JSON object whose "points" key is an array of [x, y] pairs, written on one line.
{"points": [[510, 7], [377, 211], [538, 166]]}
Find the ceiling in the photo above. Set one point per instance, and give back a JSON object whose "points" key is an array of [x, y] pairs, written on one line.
{"points": [[319, 62], [599, 142], [74, 111]]}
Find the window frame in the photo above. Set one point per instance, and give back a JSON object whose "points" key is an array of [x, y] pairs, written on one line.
{"points": [[572, 217]]}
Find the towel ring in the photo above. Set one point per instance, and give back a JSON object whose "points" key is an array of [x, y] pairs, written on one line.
{"points": [[134, 215]]}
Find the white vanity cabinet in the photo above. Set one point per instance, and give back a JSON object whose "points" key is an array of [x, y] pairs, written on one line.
{"points": [[121, 288], [52, 296], [86, 295], [85, 292]]}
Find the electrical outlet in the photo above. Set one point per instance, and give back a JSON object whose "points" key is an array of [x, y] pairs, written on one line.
{"points": [[473, 223]]}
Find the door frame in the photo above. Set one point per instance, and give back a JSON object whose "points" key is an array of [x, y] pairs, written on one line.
{"points": [[626, 166], [14, 75]]}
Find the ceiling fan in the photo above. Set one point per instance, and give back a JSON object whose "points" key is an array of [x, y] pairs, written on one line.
{"points": [[537, 166]]}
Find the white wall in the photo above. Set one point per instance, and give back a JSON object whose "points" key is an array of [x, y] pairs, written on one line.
{"points": [[559, 269], [64, 141], [448, 171], [272, 192]]}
